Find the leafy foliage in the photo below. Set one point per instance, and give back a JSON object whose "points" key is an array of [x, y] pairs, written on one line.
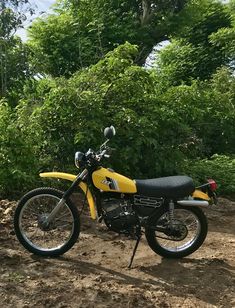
{"points": [[219, 167], [14, 67], [17, 161], [208, 108], [75, 111], [224, 39], [13, 14], [198, 49], [169, 120], [82, 32], [157, 129]]}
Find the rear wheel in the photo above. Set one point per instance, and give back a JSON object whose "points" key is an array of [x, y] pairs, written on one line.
{"points": [[29, 222], [180, 236]]}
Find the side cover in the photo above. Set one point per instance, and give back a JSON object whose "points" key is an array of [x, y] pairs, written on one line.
{"points": [[108, 180]]}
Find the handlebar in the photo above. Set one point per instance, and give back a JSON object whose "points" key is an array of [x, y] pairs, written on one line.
{"points": [[91, 156], [102, 154]]}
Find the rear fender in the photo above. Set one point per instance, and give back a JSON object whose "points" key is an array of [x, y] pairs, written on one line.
{"points": [[82, 185], [198, 194]]}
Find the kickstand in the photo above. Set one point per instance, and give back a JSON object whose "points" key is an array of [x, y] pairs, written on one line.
{"points": [[134, 251]]}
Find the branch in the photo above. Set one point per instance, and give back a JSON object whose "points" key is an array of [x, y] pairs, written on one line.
{"points": [[147, 12]]}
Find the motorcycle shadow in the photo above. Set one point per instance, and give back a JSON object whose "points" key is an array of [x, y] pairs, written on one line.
{"points": [[208, 279]]}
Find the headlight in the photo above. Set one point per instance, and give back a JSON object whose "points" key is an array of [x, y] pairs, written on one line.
{"points": [[79, 159]]}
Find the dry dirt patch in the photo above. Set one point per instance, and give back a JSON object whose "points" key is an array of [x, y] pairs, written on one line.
{"points": [[94, 273]]}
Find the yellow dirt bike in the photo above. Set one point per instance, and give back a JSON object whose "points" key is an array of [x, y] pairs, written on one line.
{"points": [[168, 209]]}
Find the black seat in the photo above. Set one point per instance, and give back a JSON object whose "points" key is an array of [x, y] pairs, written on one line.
{"points": [[171, 187]]}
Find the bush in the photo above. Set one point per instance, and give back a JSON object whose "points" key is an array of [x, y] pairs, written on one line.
{"points": [[17, 162], [157, 131], [220, 167], [114, 91]]}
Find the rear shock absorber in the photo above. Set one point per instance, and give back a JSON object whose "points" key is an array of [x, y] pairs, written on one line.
{"points": [[171, 211]]}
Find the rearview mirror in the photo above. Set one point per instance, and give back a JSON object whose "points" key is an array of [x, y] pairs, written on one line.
{"points": [[109, 132]]}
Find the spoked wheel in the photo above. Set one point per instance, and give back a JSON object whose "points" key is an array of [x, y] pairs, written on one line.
{"points": [[180, 236], [34, 234]]}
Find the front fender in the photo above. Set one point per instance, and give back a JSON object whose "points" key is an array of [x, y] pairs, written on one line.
{"points": [[82, 185]]}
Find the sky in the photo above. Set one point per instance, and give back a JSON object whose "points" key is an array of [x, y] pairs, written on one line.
{"points": [[40, 6]]}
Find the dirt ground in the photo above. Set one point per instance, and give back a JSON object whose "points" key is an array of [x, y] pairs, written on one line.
{"points": [[94, 272]]}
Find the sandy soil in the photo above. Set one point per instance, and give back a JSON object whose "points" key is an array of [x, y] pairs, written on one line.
{"points": [[94, 273]]}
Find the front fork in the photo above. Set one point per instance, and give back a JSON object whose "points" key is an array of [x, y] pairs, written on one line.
{"points": [[65, 196]]}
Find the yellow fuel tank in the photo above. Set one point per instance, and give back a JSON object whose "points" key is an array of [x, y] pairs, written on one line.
{"points": [[108, 180]]}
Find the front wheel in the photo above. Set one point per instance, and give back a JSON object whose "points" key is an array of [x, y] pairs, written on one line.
{"points": [[31, 213], [179, 236]]}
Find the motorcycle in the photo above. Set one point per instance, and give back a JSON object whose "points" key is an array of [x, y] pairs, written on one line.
{"points": [[168, 209]]}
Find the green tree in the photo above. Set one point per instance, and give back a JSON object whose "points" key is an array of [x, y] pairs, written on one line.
{"points": [[14, 68], [194, 53], [79, 33], [13, 14], [224, 38]]}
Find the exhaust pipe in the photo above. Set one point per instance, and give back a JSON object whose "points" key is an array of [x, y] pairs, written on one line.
{"points": [[197, 203]]}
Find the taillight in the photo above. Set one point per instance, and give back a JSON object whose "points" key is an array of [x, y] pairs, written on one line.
{"points": [[213, 184]]}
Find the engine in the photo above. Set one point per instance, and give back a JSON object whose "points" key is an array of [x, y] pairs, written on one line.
{"points": [[119, 215]]}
